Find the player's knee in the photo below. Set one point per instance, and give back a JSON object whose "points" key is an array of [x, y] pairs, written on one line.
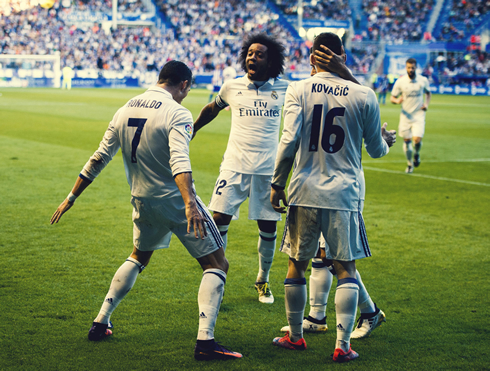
{"points": [[222, 219], [267, 226]]}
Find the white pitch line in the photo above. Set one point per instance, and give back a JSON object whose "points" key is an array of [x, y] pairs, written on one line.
{"points": [[426, 176], [427, 161]]}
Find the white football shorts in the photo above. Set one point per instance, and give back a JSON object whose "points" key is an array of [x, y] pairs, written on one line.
{"points": [[154, 221], [232, 189], [344, 233], [412, 125]]}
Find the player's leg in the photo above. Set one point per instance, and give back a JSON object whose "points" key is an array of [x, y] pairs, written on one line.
{"points": [[121, 284], [371, 316], [211, 256], [260, 209], [320, 283], [266, 249], [405, 131], [408, 149], [223, 223], [418, 130], [346, 298], [300, 242]]}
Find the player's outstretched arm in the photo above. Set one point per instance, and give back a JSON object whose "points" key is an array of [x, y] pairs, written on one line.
{"points": [[195, 220], [276, 196], [66, 205], [388, 135], [208, 114], [335, 63]]}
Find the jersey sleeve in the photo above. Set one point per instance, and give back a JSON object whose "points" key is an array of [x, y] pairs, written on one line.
{"points": [[180, 134], [288, 146], [375, 145], [108, 148], [396, 91], [221, 99]]}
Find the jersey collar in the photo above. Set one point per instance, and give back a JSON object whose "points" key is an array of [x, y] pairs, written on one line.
{"points": [[250, 83], [326, 74], [160, 90]]}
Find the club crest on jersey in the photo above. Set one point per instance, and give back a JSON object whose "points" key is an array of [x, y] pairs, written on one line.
{"points": [[274, 95], [188, 129]]}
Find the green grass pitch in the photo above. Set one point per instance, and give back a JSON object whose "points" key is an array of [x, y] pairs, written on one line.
{"points": [[428, 232]]}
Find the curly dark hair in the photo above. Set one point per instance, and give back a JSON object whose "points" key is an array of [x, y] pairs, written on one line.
{"points": [[276, 53]]}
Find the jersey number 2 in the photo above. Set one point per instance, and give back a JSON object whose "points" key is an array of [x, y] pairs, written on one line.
{"points": [[140, 124], [328, 130]]}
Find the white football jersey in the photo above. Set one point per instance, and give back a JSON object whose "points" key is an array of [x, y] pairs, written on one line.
{"points": [[412, 92], [255, 124], [154, 132], [326, 119]]}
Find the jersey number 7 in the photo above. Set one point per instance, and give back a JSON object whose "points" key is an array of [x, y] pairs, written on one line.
{"points": [[140, 124], [328, 130]]}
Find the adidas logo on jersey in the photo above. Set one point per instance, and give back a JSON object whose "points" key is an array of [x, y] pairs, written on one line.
{"points": [[239, 93]]}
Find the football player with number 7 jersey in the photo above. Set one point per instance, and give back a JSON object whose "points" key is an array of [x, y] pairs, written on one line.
{"points": [[326, 119]]}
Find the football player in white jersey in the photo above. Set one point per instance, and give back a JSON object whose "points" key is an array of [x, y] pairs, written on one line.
{"points": [[321, 278], [326, 120], [153, 131], [256, 101], [409, 91]]}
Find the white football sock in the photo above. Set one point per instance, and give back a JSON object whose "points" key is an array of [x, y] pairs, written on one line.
{"points": [[320, 284], [408, 149], [346, 298], [295, 300], [266, 248], [121, 284], [209, 300], [365, 304], [223, 231]]}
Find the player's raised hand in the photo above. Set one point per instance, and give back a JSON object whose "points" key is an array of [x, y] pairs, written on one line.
{"points": [[276, 197], [330, 60], [388, 135], [195, 220], [63, 208]]}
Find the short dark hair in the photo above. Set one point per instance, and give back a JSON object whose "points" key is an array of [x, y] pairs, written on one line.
{"points": [[173, 73], [411, 61], [276, 53], [330, 40]]}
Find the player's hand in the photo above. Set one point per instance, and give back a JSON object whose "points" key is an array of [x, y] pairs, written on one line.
{"points": [[424, 107], [195, 220], [388, 135], [63, 208], [276, 197], [327, 59]]}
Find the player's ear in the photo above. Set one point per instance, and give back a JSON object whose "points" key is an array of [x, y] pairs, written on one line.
{"points": [[312, 59], [344, 56]]}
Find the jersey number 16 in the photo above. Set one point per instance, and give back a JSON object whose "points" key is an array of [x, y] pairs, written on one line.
{"points": [[329, 129]]}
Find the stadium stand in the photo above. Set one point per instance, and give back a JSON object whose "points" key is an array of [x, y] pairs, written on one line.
{"points": [[321, 10], [459, 18], [396, 21]]}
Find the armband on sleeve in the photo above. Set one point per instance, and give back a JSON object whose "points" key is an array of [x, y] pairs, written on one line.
{"points": [[220, 102], [277, 187]]}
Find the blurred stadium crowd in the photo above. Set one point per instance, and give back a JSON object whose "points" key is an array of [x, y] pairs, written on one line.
{"points": [[207, 34]]}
